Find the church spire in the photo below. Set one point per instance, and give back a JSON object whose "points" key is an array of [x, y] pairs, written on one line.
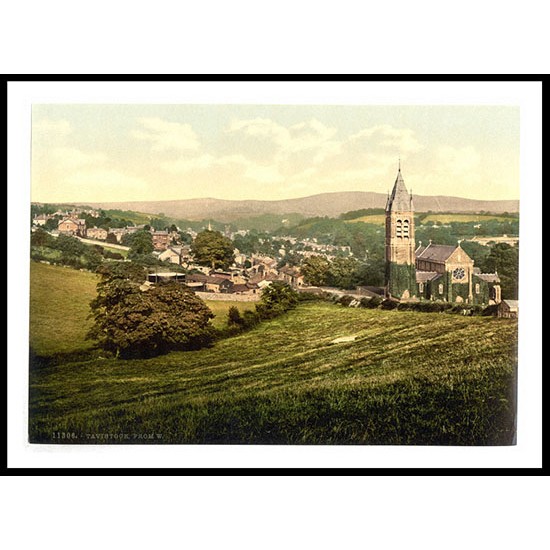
{"points": [[400, 200]]}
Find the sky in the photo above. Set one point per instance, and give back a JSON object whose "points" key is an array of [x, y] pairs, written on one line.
{"points": [[128, 152]]}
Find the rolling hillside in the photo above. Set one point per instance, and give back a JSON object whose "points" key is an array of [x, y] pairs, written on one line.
{"points": [[325, 204], [408, 378]]}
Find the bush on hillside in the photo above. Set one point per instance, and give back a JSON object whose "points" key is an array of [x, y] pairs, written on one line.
{"points": [[277, 298], [133, 323]]}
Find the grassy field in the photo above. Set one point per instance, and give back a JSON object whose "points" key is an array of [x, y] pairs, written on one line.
{"points": [[463, 218], [59, 302], [220, 309], [379, 219], [408, 378], [59, 299]]}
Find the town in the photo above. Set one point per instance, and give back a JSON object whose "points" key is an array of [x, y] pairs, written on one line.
{"points": [[242, 262]]}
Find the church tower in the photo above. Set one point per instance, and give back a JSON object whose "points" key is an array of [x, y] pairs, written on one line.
{"points": [[400, 246]]}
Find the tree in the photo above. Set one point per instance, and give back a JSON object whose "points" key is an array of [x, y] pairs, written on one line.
{"points": [[40, 238], [276, 298], [111, 238], [342, 273], [504, 259], [315, 270], [134, 323], [141, 244], [213, 249]]}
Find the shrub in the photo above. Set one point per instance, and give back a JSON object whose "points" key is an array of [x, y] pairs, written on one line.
{"points": [[234, 316], [389, 304], [374, 302], [346, 300], [276, 299], [132, 323]]}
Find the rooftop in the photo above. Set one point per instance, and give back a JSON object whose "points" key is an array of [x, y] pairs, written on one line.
{"points": [[435, 252]]}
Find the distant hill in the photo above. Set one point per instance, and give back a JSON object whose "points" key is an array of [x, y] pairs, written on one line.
{"points": [[325, 204]]}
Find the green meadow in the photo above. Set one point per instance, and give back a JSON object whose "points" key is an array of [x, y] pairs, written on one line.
{"points": [[380, 219], [406, 378]]}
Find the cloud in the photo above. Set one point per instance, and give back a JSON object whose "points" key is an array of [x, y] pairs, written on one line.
{"points": [[384, 136], [69, 159], [459, 160], [49, 129], [167, 136], [104, 184], [305, 155]]}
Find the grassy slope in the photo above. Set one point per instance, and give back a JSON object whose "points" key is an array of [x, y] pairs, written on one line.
{"points": [[379, 219], [408, 378], [221, 308], [59, 306]]}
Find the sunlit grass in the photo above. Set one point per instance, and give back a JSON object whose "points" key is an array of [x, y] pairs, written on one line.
{"points": [[407, 378]]}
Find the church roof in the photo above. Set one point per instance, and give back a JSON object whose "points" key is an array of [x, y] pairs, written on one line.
{"points": [[435, 252], [488, 277], [399, 200], [425, 276]]}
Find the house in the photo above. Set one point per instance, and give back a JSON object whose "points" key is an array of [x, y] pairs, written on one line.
{"points": [[208, 283], [292, 276], [161, 239], [41, 219], [248, 288], [118, 232], [97, 233], [166, 277], [172, 254], [72, 226], [508, 309], [217, 284], [234, 276]]}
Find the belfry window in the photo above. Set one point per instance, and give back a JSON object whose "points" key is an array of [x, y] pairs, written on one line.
{"points": [[406, 229], [399, 228]]}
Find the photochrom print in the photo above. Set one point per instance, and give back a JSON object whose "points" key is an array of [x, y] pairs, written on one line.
{"points": [[274, 274]]}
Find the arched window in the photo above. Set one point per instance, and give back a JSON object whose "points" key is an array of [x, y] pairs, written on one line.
{"points": [[440, 289], [420, 287], [477, 288], [406, 229], [399, 229]]}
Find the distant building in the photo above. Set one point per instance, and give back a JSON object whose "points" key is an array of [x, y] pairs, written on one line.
{"points": [[161, 239], [97, 233], [432, 272], [72, 226], [41, 219], [292, 276], [508, 309]]}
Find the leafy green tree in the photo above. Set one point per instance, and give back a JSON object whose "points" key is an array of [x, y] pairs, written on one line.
{"points": [[504, 259], [92, 258], [185, 238], [134, 323], [234, 316], [276, 298], [69, 246], [341, 273], [128, 271], [40, 238], [371, 272], [213, 249], [52, 223], [315, 270], [140, 243]]}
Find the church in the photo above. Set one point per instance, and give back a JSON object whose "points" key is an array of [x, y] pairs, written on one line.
{"points": [[432, 271]]}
